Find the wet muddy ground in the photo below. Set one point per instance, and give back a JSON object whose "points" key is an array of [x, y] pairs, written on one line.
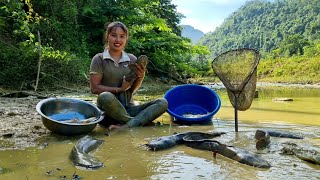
{"points": [[20, 124], [29, 151]]}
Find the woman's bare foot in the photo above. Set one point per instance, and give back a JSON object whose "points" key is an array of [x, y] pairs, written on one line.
{"points": [[115, 128]]}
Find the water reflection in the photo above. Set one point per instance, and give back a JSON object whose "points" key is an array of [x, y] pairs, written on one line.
{"points": [[181, 165]]}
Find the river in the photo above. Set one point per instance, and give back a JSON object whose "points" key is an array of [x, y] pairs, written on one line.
{"points": [[125, 158]]}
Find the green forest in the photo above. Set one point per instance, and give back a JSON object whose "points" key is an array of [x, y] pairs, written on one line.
{"points": [[57, 39], [65, 35], [286, 32]]}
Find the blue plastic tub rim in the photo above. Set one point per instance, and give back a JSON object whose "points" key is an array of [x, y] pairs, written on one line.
{"points": [[194, 119]]}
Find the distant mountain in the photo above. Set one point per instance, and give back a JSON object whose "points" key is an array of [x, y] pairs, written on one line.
{"points": [[191, 33]]}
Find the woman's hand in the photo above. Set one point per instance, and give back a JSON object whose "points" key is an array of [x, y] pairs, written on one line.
{"points": [[125, 85], [139, 70]]}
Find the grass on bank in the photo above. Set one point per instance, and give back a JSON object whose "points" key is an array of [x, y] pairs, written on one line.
{"points": [[296, 69]]}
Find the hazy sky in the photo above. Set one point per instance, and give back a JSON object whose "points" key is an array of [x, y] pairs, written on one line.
{"points": [[206, 15]]}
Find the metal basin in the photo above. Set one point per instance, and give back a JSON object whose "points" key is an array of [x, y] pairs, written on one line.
{"points": [[67, 116]]}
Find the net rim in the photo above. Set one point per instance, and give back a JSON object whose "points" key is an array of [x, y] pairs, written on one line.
{"points": [[258, 55]]}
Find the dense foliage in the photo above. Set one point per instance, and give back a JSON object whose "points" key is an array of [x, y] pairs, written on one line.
{"points": [[281, 27], [286, 32], [72, 31]]}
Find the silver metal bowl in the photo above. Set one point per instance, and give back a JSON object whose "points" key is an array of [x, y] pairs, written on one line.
{"points": [[67, 116]]}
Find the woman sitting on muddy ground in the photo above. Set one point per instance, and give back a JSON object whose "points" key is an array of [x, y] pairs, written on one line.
{"points": [[115, 75]]}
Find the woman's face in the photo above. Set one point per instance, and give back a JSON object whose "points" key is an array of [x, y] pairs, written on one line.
{"points": [[117, 39]]}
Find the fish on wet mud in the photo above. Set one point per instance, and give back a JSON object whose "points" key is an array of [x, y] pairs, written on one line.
{"points": [[262, 139], [231, 152], [166, 142], [306, 154], [79, 154], [282, 134]]}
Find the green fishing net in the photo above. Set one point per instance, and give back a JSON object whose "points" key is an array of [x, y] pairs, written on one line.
{"points": [[237, 69]]}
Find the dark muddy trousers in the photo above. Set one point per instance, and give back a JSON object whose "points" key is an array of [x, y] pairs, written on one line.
{"points": [[133, 115]]}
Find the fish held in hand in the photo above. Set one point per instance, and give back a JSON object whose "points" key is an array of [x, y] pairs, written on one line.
{"points": [[143, 60]]}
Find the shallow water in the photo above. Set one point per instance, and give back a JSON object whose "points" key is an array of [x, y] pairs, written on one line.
{"points": [[125, 158]]}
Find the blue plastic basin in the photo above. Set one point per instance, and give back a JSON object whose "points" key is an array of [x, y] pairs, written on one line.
{"points": [[192, 104]]}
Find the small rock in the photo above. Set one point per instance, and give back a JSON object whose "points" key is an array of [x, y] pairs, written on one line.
{"points": [[282, 99], [37, 127], [12, 114], [8, 135]]}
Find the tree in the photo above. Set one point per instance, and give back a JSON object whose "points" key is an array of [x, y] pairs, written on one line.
{"points": [[72, 32], [293, 45], [265, 25]]}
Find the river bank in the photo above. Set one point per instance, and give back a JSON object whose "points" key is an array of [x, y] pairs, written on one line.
{"points": [[269, 84]]}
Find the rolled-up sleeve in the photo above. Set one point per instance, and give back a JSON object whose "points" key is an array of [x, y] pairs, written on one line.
{"points": [[96, 66]]}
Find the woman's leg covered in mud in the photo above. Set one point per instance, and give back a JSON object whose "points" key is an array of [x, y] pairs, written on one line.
{"points": [[146, 113], [113, 109]]}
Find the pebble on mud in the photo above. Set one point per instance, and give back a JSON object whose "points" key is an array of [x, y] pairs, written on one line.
{"points": [[282, 99]]}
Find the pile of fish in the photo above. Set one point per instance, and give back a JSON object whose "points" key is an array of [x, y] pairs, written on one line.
{"points": [[304, 153], [202, 141], [198, 140]]}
